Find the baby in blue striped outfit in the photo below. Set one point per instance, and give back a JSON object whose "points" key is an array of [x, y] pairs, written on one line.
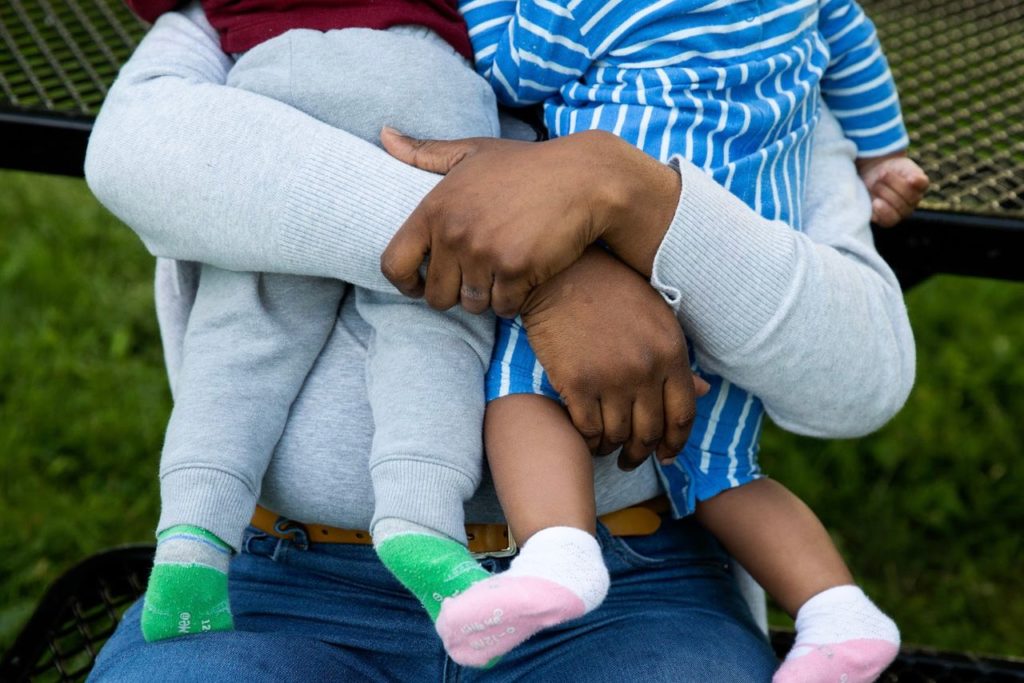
{"points": [[735, 87]]}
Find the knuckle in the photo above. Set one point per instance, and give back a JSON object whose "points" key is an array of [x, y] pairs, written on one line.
{"points": [[505, 310], [513, 267], [389, 265], [455, 234], [674, 442], [647, 361], [388, 269], [651, 438], [436, 301], [683, 419], [617, 436]]}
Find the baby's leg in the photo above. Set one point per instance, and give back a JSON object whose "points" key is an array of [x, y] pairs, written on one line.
{"points": [[544, 476], [250, 342], [425, 386], [841, 634], [542, 469]]}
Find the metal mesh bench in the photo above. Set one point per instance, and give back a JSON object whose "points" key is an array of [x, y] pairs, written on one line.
{"points": [[960, 67], [77, 615]]}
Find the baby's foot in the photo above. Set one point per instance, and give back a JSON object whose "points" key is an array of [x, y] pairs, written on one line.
{"points": [[841, 637], [852, 661], [188, 587], [896, 185], [431, 568], [558, 576]]}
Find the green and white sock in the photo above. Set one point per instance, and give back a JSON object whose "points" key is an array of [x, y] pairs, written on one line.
{"points": [[430, 566], [188, 587]]}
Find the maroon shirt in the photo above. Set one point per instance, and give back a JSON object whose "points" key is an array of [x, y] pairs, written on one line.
{"points": [[243, 24]]}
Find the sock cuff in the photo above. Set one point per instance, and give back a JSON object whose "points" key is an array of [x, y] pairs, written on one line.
{"points": [[843, 613], [560, 535], [569, 557], [188, 530], [211, 499], [829, 597], [181, 546]]}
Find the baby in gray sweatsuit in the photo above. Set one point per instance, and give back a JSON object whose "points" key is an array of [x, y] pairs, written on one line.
{"points": [[252, 339]]}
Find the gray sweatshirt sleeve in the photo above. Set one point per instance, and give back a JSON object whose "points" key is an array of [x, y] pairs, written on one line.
{"points": [[205, 172], [812, 323], [783, 314]]}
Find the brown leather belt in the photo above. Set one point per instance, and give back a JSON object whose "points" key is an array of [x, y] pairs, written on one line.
{"points": [[492, 540]]}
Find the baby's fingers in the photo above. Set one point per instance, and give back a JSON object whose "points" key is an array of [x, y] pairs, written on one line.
{"points": [[915, 178], [888, 207], [910, 182]]}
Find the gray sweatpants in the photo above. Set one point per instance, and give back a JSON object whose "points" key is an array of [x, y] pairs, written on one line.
{"points": [[252, 338]]}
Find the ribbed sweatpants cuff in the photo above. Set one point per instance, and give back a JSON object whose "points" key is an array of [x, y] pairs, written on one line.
{"points": [[212, 499], [425, 493]]}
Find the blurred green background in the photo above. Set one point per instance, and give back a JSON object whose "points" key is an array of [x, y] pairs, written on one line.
{"points": [[929, 511]]}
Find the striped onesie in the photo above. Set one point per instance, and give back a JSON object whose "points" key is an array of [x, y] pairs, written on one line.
{"points": [[734, 86]]}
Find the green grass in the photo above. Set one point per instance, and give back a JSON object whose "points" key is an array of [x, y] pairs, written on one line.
{"points": [[929, 511], [83, 399]]}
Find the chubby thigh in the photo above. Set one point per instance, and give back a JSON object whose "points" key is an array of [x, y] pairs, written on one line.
{"points": [[361, 79]]}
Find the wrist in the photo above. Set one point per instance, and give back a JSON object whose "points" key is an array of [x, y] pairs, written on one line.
{"points": [[866, 163], [641, 196]]}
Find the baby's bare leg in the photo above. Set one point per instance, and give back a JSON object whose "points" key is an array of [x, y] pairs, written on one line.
{"points": [[542, 469], [778, 539], [545, 480], [841, 634]]}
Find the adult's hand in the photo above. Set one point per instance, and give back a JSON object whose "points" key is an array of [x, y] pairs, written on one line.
{"points": [[510, 215], [615, 353]]}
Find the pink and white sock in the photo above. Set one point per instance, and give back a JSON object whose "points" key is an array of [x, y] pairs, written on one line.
{"points": [[558, 576], [841, 636]]}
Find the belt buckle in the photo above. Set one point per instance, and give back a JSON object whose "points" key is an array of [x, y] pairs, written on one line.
{"points": [[292, 531], [510, 550]]}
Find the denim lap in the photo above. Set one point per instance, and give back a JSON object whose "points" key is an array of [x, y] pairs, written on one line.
{"points": [[332, 612]]}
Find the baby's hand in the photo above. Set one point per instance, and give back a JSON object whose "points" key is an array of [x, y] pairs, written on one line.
{"points": [[896, 185]]}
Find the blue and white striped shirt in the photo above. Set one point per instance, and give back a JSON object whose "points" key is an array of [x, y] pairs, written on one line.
{"points": [[732, 85]]}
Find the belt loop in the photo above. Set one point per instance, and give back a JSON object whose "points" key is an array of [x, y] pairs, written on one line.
{"points": [[292, 531]]}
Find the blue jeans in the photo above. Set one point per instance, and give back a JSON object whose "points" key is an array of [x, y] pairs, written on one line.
{"points": [[315, 612]]}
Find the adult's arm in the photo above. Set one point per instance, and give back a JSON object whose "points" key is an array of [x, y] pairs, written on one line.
{"points": [[813, 323], [205, 172], [209, 173]]}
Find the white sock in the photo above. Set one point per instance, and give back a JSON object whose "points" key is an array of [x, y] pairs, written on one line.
{"points": [[837, 615], [569, 557]]}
